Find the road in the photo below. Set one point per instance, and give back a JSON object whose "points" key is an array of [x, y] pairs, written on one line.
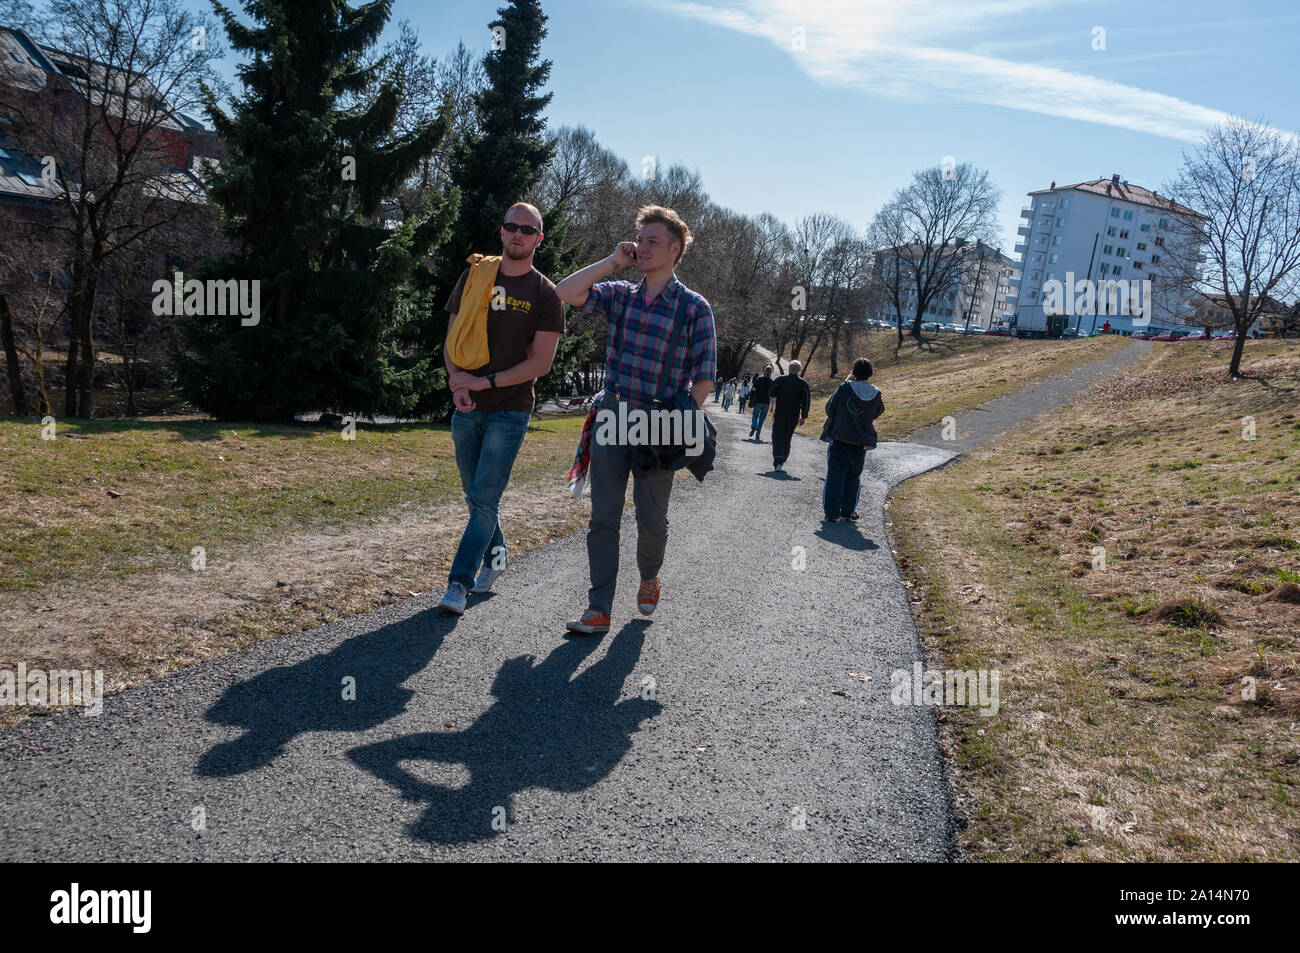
{"points": [[749, 719]]}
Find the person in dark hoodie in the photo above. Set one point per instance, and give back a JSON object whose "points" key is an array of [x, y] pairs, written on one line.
{"points": [[850, 414]]}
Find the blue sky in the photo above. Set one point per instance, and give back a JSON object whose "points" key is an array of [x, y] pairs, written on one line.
{"points": [[883, 87]]}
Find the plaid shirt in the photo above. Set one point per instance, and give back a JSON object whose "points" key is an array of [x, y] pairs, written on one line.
{"points": [[634, 373]]}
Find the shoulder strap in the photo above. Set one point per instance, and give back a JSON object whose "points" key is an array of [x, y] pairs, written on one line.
{"points": [[670, 352]]}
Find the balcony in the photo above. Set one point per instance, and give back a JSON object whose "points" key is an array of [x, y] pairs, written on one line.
{"points": [[1013, 283], [1020, 248], [1026, 213], [1023, 230]]}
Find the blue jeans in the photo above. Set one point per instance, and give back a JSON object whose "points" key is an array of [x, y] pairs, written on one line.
{"points": [[843, 479], [487, 443], [756, 421]]}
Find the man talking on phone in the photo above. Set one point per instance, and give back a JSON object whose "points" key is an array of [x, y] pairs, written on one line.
{"points": [[642, 364]]}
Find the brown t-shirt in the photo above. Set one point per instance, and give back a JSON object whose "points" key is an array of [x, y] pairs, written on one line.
{"points": [[531, 305]]}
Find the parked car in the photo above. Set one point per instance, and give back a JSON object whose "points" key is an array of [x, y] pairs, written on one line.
{"points": [[930, 326], [976, 329], [1196, 336], [1167, 336], [1229, 335], [999, 332], [1144, 336]]}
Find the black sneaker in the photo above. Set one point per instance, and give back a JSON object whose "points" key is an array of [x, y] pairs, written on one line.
{"points": [[852, 517]]}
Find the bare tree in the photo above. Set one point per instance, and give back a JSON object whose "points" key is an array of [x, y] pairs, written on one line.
{"points": [[1242, 251], [919, 235], [104, 127], [428, 90], [33, 304]]}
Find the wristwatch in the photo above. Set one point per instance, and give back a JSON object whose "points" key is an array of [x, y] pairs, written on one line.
{"points": [[492, 381]]}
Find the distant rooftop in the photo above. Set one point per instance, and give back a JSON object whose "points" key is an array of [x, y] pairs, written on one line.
{"points": [[1116, 188]]}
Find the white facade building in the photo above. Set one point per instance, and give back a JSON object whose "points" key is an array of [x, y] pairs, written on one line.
{"points": [[1107, 233], [984, 293]]}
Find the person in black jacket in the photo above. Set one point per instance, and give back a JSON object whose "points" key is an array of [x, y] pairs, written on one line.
{"points": [[791, 399], [760, 399], [849, 429]]}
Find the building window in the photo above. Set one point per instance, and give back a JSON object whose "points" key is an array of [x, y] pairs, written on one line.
{"points": [[1110, 231], [1114, 213], [1142, 246], [1105, 267], [1108, 249], [1155, 259], [1036, 276], [1053, 259], [1038, 259], [1122, 252], [1118, 269], [1060, 220], [1146, 227], [1137, 266], [1163, 222], [1124, 233], [1160, 241], [1056, 240], [1128, 215], [1065, 203]]}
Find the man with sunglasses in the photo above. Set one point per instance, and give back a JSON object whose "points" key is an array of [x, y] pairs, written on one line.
{"points": [[495, 402]]}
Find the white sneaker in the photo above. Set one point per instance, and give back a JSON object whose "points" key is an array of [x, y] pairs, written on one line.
{"points": [[454, 600], [777, 466], [486, 577]]}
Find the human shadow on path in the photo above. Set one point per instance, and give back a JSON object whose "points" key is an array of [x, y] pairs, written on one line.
{"points": [[546, 729], [283, 702], [846, 534]]}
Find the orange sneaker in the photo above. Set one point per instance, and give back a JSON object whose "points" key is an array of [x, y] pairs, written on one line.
{"points": [[592, 621], [647, 596]]}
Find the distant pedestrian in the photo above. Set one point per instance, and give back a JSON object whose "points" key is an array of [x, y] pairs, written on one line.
{"points": [[728, 394], [745, 388], [791, 399], [760, 399], [850, 414]]}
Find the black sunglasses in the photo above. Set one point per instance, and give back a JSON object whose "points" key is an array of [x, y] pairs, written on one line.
{"points": [[511, 227]]}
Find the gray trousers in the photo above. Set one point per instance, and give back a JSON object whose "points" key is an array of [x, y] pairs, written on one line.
{"points": [[611, 464]]}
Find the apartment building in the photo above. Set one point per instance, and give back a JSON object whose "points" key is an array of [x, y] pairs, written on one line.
{"points": [[983, 291], [31, 72], [1127, 242]]}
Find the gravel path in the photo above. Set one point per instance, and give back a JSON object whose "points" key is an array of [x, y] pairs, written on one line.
{"points": [[728, 726]]}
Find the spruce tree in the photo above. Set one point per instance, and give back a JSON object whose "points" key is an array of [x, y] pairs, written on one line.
{"points": [[312, 156], [497, 166]]}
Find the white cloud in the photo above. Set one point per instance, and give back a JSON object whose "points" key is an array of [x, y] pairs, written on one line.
{"points": [[891, 47]]}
